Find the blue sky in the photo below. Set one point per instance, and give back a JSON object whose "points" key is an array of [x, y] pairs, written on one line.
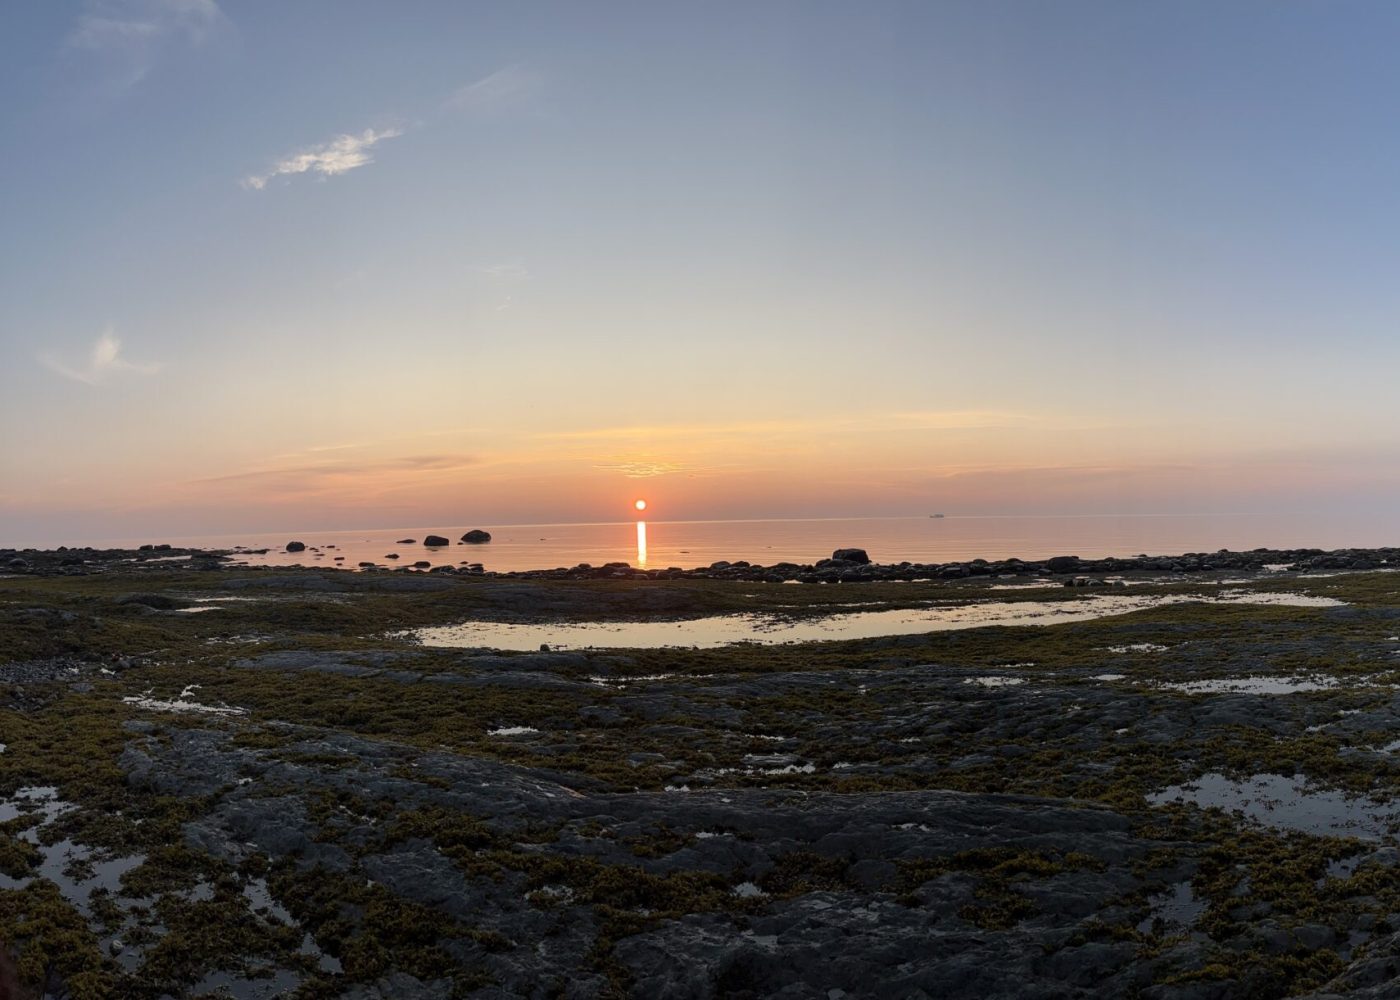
{"points": [[271, 264]]}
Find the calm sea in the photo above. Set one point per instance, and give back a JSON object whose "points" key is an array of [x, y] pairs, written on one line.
{"points": [[916, 539]]}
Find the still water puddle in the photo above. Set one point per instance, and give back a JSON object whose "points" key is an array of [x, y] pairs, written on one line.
{"points": [[1288, 803], [184, 702], [1253, 685], [1172, 910], [80, 872], [724, 630], [272, 983], [77, 870]]}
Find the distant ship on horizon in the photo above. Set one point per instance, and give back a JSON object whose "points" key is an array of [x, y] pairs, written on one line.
{"points": [[935, 515]]}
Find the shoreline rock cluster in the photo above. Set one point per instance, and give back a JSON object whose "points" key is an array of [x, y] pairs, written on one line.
{"points": [[846, 565], [836, 570]]}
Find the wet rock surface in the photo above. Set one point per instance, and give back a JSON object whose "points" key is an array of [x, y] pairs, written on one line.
{"points": [[847, 565], [286, 795]]}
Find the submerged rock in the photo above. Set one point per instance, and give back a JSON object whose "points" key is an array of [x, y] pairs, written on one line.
{"points": [[436, 540], [476, 536], [296, 546]]}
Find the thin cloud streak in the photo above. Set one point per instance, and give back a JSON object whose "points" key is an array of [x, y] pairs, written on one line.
{"points": [[932, 420], [495, 92], [104, 360], [650, 470], [511, 270], [500, 89], [130, 34], [347, 469], [341, 155]]}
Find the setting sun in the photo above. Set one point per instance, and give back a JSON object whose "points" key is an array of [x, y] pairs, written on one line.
{"points": [[640, 505]]}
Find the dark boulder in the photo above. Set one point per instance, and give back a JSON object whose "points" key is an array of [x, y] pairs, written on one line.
{"points": [[296, 546], [406, 541], [436, 540], [850, 555], [1062, 564], [476, 536]]}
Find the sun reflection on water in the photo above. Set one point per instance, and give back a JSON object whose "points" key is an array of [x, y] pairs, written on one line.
{"points": [[641, 543]]}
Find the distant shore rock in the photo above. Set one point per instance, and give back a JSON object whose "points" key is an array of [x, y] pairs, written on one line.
{"points": [[407, 541], [1062, 564], [296, 546], [436, 540], [476, 536], [851, 556]]}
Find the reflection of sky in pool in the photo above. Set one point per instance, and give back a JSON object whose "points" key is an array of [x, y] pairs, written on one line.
{"points": [[1288, 803], [721, 630]]}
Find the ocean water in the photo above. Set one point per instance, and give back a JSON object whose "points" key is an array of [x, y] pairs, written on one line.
{"points": [[689, 544]]}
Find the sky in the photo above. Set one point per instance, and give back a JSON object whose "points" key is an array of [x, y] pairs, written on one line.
{"points": [[339, 264]]}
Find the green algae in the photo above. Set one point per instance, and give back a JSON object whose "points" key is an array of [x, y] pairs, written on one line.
{"points": [[73, 740]]}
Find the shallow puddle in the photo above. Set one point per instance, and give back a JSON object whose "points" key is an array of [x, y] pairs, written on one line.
{"points": [[276, 983], [1253, 685], [76, 869], [1289, 803], [995, 681], [1172, 910], [1282, 599], [184, 702], [724, 630]]}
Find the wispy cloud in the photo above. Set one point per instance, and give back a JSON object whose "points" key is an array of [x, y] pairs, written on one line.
{"points": [[103, 361], [362, 477], [341, 155], [503, 88], [129, 35], [511, 270], [884, 422], [648, 470], [351, 468]]}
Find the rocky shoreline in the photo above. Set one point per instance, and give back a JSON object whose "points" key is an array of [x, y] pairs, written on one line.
{"points": [[286, 795], [854, 567]]}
